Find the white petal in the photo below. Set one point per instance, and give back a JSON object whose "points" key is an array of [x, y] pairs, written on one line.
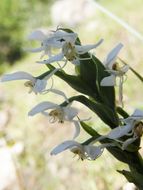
{"points": [[111, 57], [42, 107], [37, 35], [119, 131], [59, 93], [53, 42], [40, 86], [85, 48], [108, 81], [70, 112], [64, 146], [93, 151], [125, 68], [77, 129], [35, 50], [51, 74], [17, 76], [138, 114], [52, 59], [127, 142], [64, 35]]}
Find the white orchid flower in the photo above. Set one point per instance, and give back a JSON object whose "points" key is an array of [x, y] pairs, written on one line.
{"points": [[132, 128], [53, 40], [36, 85], [115, 71], [57, 113], [71, 52], [89, 152]]}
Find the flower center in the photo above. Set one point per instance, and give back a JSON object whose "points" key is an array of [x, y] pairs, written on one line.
{"points": [[78, 152], [69, 51], [115, 67], [56, 115], [138, 130], [29, 84]]}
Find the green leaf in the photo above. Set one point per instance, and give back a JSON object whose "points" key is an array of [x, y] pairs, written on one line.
{"points": [[88, 73], [89, 130], [122, 112], [106, 92], [133, 177], [74, 81]]}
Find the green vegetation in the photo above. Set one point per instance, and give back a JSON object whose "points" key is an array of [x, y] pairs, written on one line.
{"points": [[15, 18]]}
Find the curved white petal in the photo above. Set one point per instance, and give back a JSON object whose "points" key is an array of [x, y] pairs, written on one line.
{"points": [[51, 74], [108, 81], [37, 35], [65, 35], [35, 50], [59, 93], [93, 152], [77, 129], [64, 146], [138, 114], [85, 48], [39, 86], [111, 57], [119, 131], [125, 68], [42, 107], [70, 112], [127, 142], [58, 57], [20, 75]]}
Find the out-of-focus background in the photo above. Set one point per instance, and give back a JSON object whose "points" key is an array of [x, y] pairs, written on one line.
{"points": [[25, 143]]}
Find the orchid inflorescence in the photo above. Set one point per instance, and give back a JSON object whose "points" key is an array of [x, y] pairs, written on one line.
{"points": [[95, 81]]}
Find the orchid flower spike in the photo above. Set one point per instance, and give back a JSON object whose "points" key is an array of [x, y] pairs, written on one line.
{"points": [[112, 67], [57, 113], [36, 85], [83, 151], [53, 40]]}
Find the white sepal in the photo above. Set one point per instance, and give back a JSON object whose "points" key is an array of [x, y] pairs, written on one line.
{"points": [[120, 131], [85, 48], [77, 129], [108, 81], [20, 75], [42, 107], [58, 57], [111, 57], [64, 146]]}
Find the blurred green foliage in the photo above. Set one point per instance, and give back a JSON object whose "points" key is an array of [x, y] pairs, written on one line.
{"points": [[15, 17]]}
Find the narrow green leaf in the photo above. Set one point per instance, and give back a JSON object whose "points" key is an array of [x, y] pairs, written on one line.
{"points": [[106, 92], [89, 129], [88, 73], [122, 112], [74, 81]]}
